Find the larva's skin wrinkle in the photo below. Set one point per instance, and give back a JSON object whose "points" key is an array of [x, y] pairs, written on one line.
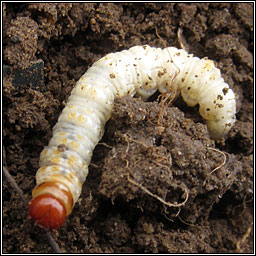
{"points": [[140, 70]]}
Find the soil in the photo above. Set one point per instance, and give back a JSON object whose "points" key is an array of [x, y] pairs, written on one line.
{"points": [[152, 185]]}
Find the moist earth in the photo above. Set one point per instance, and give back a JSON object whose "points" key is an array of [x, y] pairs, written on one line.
{"points": [[157, 183]]}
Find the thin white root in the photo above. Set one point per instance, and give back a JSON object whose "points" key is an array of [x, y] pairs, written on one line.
{"points": [[245, 236], [105, 145], [222, 164], [190, 224], [176, 215], [182, 41], [157, 197]]}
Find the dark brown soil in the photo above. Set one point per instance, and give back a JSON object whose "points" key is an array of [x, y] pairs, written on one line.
{"points": [[143, 162]]}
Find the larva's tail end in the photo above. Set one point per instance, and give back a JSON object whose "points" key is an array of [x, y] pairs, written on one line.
{"points": [[47, 211]]}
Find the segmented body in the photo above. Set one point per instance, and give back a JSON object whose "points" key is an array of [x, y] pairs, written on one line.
{"points": [[140, 70]]}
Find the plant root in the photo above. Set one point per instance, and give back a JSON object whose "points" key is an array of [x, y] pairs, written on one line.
{"points": [[158, 197]]}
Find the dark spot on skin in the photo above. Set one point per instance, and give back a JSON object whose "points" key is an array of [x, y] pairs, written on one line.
{"points": [[160, 73], [208, 109], [196, 75], [112, 75], [188, 88], [182, 80], [61, 147], [225, 91], [219, 97]]}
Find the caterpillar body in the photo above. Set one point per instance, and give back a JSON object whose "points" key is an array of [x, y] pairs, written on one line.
{"points": [[140, 70]]}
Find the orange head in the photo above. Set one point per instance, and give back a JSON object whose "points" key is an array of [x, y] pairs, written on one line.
{"points": [[47, 211], [51, 203]]}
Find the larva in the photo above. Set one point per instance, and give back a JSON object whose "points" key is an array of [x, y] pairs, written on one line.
{"points": [[142, 70]]}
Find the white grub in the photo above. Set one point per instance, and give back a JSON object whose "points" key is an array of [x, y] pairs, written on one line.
{"points": [[141, 70]]}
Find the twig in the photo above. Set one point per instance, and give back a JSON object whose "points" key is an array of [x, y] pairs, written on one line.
{"points": [[16, 188], [14, 185], [53, 243]]}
